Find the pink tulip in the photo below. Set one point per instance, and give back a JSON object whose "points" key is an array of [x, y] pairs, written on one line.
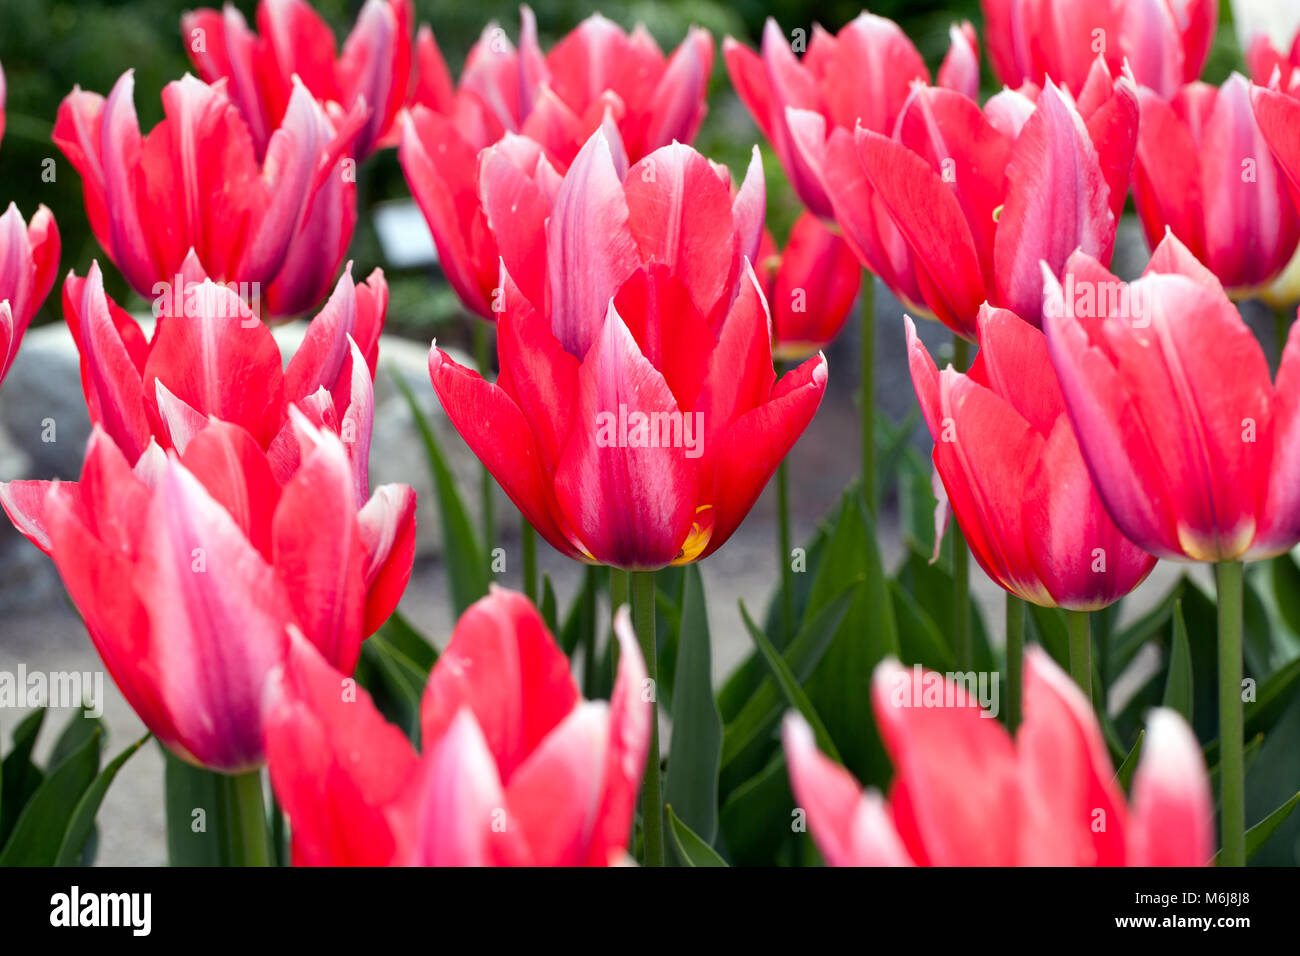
{"points": [[194, 185], [190, 567], [1204, 172], [1278, 116], [810, 288], [1192, 463], [2, 102], [516, 767], [373, 73], [966, 794], [1163, 42], [1014, 475], [637, 416], [959, 206], [861, 76], [1266, 62], [29, 259]]}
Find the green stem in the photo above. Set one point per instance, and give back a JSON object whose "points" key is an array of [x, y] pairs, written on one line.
{"points": [[1079, 626], [245, 814], [868, 396], [530, 559], [1015, 659], [591, 628], [1232, 767], [1282, 323], [783, 552], [279, 835], [961, 638], [483, 358], [643, 616]]}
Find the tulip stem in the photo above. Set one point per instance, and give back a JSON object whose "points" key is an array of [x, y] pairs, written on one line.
{"points": [[961, 638], [1079, 625], [643, 617], [1015, 658], [1232, 772], [482, 358], [783, 552], [244, 813], [529, 537], [868, 398]]}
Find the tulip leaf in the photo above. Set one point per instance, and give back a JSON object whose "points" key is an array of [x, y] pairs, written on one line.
{"points": [[695, 754], [467, 571], [690, 848], [402, 635], [395, 682], [1271, 700], [1124, 775], [39, 831], [1258, 835], [1285, 575], [757, 819], [209, 816], [550, 613], [1179, 686], [83, 818], [790, 689], [919, 639], [19, 777]]}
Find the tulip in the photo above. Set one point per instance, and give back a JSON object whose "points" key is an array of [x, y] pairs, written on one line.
{"points": [[1014, 475], [1190, 463], [1266, 61], [189, 567], [194, 184], [1165, 43], [2, 102], [862, 75], [29, 258], [545, 107], [959, 206], [637, 416], [810, 288], [1278, 117], [516, 769], [374, 70], [1204, 171], [965, 793]]}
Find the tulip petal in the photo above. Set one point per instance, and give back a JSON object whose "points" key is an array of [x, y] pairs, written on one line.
{"points": [[1172, 819]]}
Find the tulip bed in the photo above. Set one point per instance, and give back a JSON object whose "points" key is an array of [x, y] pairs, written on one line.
{"points": [[649, 356]]}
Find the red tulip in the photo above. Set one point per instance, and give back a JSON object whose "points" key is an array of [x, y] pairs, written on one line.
{"points": [[810, 288], [1014, 474], [1191, 463], [637, 416], [29, 258], [966, 794], [373, 72], [194, 184], [1204, 172], [516, 767], [960, 205], [189, 568], [1278, 116], [861, 76], [2, 102], [1265, 61], [542, 108], [1163, 42]]}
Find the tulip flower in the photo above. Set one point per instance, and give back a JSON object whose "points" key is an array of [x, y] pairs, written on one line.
{"points": [[374, 70], [1278, 116], [965, 793], [1191, 463], [516, 769], [959, 206], [189, 568], [1014, 475], [2, 102], [1165, 43], [861, 76], [1265, 61], [280, 228], [810, 287], [1204, 171], [29, 258], [546, 107], [637, 416]]}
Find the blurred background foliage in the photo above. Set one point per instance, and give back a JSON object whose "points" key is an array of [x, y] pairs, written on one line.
{"points": [[49, 46]]}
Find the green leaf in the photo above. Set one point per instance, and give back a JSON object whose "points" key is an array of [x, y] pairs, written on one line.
{"points": [[695, 754], [467, 571], [756, 818], [691, 850], [790, 688], [1286, 589], [83, 818], [395, 682], [402, 635], [1124, 776], [550, 613], [76, 732], [579, 626], [43, 822], [1271, 700], [1258, 835], [208, 816], [19, 777], [919, 638], [1179, 687]]}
